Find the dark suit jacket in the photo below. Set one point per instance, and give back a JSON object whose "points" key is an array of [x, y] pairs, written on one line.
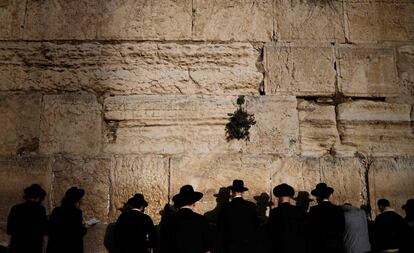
{"points": [[27, 226], [327, 225], [286, 229], [237, 225], [134, 233], [66, 230], [188, 232]]}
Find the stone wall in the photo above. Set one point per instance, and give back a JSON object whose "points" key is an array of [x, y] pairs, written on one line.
{"points": [[125, 96]]}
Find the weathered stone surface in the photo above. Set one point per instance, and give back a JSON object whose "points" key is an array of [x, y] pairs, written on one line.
{"points": [[12, 19], [60, 19], [93, 240], [146, 20], [343, 174], [20, 127], [380, 21], [70, 123], [317, 127], [240, 20], [367, 72], [207, 173], [148, 175], [298, 20], [91, 174], [288, 72], [125, 68], [405, 67], [196, 124], [16, 174], [376, 128], [392, 179]]}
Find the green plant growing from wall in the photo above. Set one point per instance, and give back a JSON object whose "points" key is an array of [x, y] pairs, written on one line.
{"points": [[240, 123]]}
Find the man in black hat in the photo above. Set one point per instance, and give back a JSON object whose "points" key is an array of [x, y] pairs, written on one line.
{"points": [[286, 227], [327, 222], [134, 230], [408, 207], [238, 222], [27, 222], [188, 231]]}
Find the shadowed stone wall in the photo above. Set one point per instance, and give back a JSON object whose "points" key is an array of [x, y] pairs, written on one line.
{"points": [[125, 96]]}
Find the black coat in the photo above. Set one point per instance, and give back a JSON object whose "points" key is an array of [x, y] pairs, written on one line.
{"points": [[237, 226], [66, 230], [27, 226], [286, 229], [327, 225], [134, 232], [188, 232]]}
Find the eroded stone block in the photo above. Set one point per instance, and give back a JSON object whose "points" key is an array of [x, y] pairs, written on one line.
{"points": [[17, 173], [20, 123], [298, 20], [238, 20], [148, 175], [90, 174], [376, 128], [299, 71], [131, 68], [392, 179], [12, 19], [380, 21], [196, 124], [367, 72], [146, 20], [209, 172], [70, 123]]}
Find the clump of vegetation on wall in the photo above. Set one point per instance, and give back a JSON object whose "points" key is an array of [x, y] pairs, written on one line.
{"points": [[240, 123]]}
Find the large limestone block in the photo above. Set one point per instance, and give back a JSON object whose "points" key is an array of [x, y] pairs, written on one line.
{"points": [[146, 20], [62, 20], [90, 174], [317, 128], [146, 174], [20, 127], [196, 124], [209, 172], [70, 123], [405, 67], [131, 68], [309, 20], [376, 128], [380, 21], [367, 72], [392, 179], [299, 71], [11, 19], [16, 174], [240, 20]]}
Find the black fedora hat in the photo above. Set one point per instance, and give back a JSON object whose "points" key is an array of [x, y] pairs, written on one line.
{"points": [[73, 195], [409, 205], [187, 196], [34, 191], [322, 190], [137, 201], [284, 190], [238, 186]]}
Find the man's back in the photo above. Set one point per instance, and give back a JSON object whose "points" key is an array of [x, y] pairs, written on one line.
{"points": [[356, 236], [389, 231]]}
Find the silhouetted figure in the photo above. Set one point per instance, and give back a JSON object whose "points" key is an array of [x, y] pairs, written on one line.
{"points": [[187, 231], [326, 222], [263, 202], [109, 238], [367, 209], [390, 230], [302, 200], [287, 223], [409, 212], [356, 237], [238, 222], [134, 230], [166, 214], [66, 229], [27, 222]]}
